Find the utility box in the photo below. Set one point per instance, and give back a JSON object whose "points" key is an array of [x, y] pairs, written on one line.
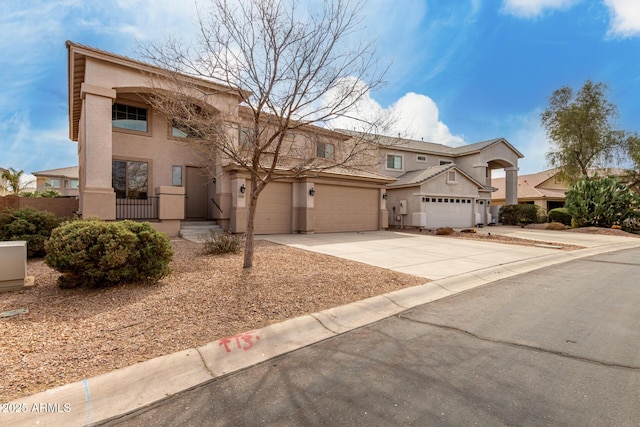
{"points": [[403, 207], [13, 265]]}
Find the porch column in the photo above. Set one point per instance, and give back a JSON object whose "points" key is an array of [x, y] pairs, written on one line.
{"points": [[511, 185], [97, 197], [304, 218]]}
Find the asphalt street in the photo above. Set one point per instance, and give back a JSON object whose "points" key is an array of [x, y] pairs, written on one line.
{"points": [[559, 346]]}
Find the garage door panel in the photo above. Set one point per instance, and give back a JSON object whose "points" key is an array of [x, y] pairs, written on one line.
{"points": [[450, 214], [273, 215], [341, 208]]}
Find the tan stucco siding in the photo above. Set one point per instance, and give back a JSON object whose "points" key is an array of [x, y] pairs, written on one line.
{"points": [[341, 208]]}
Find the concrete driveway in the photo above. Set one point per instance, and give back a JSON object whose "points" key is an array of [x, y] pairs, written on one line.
{"points": [[436, 257]]}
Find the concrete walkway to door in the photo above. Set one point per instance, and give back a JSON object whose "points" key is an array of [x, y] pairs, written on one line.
{"points": [[437, 257]]}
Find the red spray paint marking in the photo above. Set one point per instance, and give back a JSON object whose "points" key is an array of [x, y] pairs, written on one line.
{"points": [[243, 341]]}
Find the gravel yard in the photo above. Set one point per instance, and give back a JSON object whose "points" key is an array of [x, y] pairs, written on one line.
{"points": [[72, 334]]}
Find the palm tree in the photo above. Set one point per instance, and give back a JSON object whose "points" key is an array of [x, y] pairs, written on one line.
{"points": [[12, 178]]}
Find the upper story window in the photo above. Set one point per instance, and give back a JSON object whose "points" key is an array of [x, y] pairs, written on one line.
{"points": [[70, 183], [394, 162], [52, 183], [421, 158], [445, 162], [129, 117], [245, 136], [178, 131], [325, 151]]}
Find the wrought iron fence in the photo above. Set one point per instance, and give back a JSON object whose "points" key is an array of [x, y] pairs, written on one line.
{"points": [[137, 208]]}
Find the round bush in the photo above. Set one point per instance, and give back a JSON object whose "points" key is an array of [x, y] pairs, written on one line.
{"points": [[99, 253], [28, 224], [560, 215]]}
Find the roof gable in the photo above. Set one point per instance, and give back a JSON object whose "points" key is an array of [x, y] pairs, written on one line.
{"points": [[418, 177]]}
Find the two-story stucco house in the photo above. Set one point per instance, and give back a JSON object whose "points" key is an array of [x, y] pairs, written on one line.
{"points": [[134, 164], [62, 180]]}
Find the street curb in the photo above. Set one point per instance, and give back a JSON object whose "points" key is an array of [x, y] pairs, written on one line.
{"points": [[124, 390]]}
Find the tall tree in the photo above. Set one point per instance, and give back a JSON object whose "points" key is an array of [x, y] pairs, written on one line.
{"points": [[12, 178], [291, 69], [580, 126]]}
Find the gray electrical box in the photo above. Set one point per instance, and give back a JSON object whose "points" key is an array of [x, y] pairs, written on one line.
{"points": [[403, 207]]}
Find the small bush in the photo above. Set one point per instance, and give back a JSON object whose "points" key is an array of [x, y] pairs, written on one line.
{"points": [[444, 231], [28, 224], [222, 243], [522, 214], [99, 253], [560, 215], [556, 226]]}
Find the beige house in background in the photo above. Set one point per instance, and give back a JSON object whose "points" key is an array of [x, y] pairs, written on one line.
{"points": [[546, 189], [437, 185], [62, 180], [134, 165]]}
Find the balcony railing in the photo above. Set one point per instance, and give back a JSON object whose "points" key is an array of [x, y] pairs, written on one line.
{"points": [[146, 209]]}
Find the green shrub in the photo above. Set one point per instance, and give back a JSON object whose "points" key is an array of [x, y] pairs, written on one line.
{"points": [[99, 253], [222, 243], [602, 202], [521, 214], [560, 215], [28, 224], [444, 231]]}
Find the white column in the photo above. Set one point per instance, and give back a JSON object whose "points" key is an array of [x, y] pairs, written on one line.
{"points": [[97, 195], [511, 186]]}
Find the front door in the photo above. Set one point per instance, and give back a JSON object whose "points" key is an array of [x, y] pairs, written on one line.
{"points": [[196, 189]]}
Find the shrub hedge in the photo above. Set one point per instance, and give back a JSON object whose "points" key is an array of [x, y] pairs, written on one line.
{"points": [[521, 214], [28, 224], [99, 253]]}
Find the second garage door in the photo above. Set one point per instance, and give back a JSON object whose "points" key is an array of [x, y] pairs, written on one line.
{"points": [[449, 212], [274, 209], [339, 208]]}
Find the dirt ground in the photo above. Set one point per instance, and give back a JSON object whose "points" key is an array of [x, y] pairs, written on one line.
{"points": [[71, 334]]}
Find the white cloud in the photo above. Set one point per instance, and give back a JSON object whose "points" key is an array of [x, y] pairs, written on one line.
{"points": [[418, 117], [413, 116], [535, 8], [625, 18]]}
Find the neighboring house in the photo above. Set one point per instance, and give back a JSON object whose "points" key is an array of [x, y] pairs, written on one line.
{"points": [[545, 189], [63, 180], [133, 164], [437, 185]]}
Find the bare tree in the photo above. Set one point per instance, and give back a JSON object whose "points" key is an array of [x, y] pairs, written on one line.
{"points": [[293, 74]]}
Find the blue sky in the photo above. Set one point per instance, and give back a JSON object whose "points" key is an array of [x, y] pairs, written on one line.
{"points": [[462, 71]]}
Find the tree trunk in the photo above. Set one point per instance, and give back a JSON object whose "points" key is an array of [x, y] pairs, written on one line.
{"points": [[250, 232]]}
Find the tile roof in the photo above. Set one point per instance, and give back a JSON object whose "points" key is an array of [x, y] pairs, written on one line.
{"points": [[69, 172], [429, 147], [417, 177]]}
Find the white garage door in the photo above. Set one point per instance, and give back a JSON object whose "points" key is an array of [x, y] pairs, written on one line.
{"points": [[274, 209], [339, 208], [449, 212]]}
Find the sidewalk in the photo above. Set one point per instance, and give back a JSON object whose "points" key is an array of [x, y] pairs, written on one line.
{"points": [[456, 265]]}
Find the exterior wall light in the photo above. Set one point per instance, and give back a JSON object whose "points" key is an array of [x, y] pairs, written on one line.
{"points": [[242, 189], [312, 192], [384, 196]]}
